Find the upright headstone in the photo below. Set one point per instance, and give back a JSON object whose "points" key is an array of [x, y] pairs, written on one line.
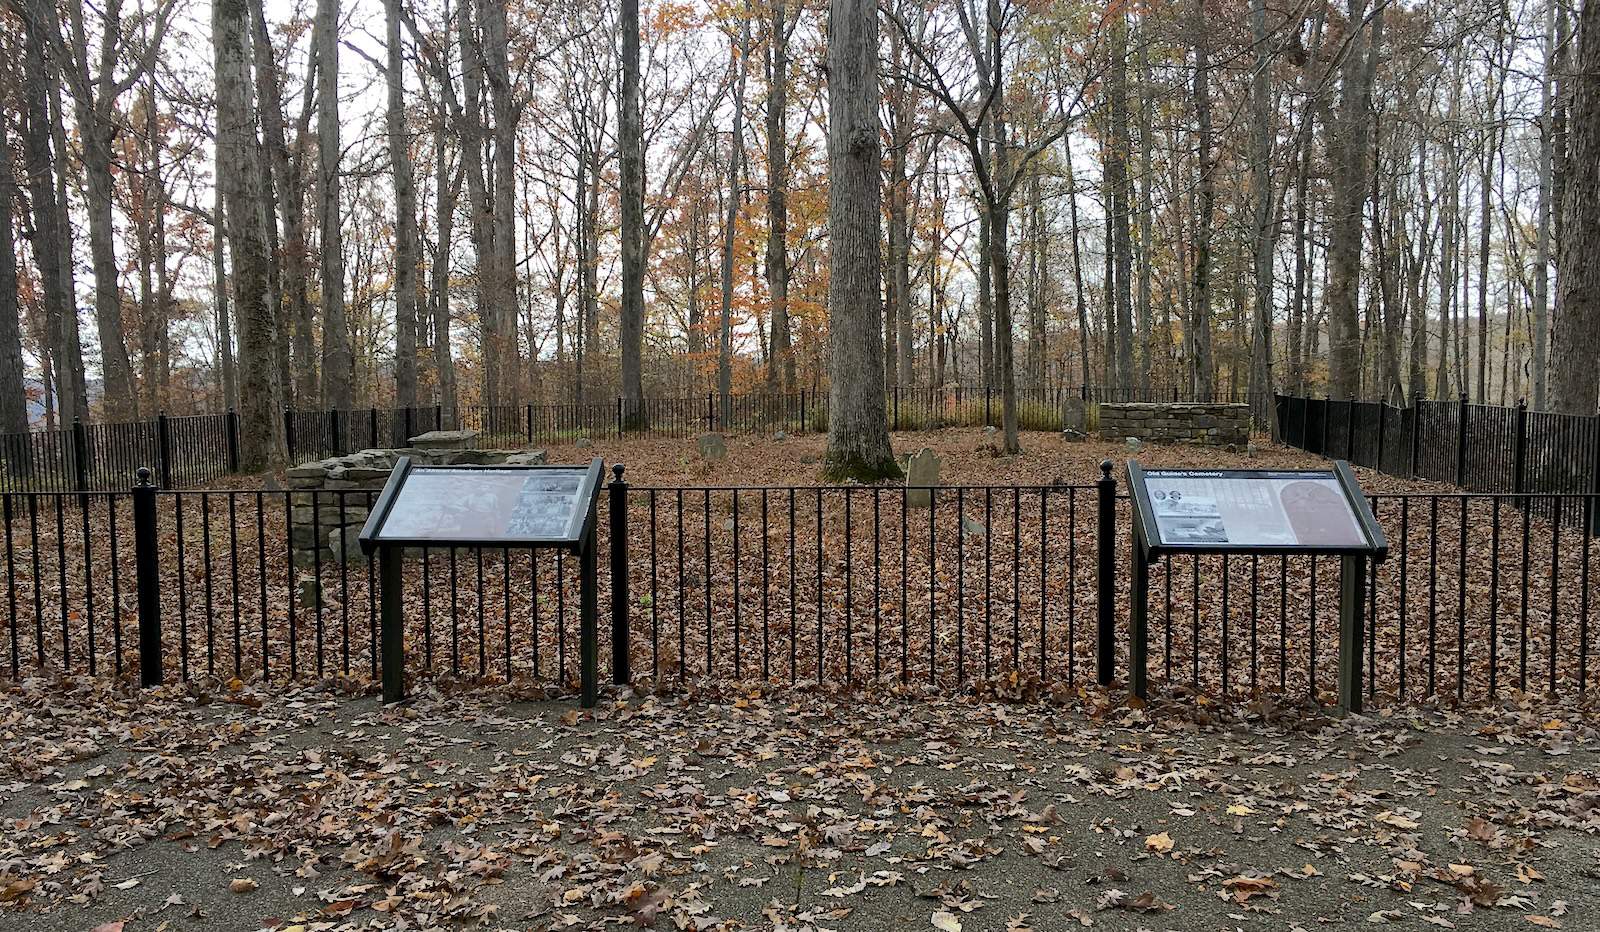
{"points": [[712, 448], [922, 474], [1074, 414]]}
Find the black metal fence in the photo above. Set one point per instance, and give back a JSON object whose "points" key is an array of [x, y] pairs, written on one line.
{"points": [[1479, 448], [193, 450], [993, 587]]}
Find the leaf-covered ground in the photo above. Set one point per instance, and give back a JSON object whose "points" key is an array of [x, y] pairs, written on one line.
{"points": [[290, 808]]}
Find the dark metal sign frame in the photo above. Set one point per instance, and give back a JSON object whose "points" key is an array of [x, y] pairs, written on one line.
{"points": [[580, 540], [1148, 546]]}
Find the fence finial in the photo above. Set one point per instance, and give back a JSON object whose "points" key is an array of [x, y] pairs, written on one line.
{"points": [[616, 471], [143, 474], [1105, 469]]}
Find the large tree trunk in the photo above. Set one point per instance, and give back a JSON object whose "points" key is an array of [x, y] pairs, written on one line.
{"points": [[508, 391], [1121, 205], [1266, 220], [1346, 211], [480, 210], [780, 365], [295, 320], [405, 230], [858, 433], [239, 174], [337, 360], [1147, 105], [1574, 377], [219, 302], [1541, 257], [97, 121], [1080, 301], [52, 247], [1202, 369], [13, 397], [631, 137], [1001, 186]]}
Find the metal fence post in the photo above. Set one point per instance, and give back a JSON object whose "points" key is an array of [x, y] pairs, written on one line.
{"points": [[897, 407], [1383, 418], [711, 413], [619, 416], [1593, 502], [621, 659], [372, 425], [409, 431], [988, 396], [438, 417], [80, 454], [1350, 428], [1461, 441], [164, 445], [147, 578], [530, 422], [333, 431], [1416, 437], [1106, 577], [1519, 454], [288, 430], [1327, 418], [233, 440]]}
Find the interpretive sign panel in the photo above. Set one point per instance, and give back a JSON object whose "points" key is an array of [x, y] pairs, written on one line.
{"points": [[505, 506], [1255, 512], [486, 506], [1251, 508]]}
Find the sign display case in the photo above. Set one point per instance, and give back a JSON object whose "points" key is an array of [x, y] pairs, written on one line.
{"points": [[1261, 512], [500, 507]]}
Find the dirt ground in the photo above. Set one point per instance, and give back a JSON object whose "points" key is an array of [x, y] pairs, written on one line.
{"points": [[303, 810], [970, 457]]}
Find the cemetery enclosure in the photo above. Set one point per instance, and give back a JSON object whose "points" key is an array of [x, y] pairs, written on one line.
{"points": [[790, 584]]}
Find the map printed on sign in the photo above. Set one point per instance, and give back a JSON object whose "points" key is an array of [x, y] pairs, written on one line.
{"points": [[1253, 508], [459, 504]]}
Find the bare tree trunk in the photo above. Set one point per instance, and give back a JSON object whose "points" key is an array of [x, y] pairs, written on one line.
{"points": [[858, 432], [1349, 194], [52, 245], [1541, 257], [1121, 204], [94, 98], [292, 272], [405, 231], [631, 141], [729, 231], [337, 359], [13, 397], [239, 174], [1202, 371], [780, 366], [1085, 341], [1146, 244], [503, 271], [1574, 377], [1266, 219], [219, 301]]}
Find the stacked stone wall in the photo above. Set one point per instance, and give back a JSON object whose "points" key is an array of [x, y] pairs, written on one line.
{"points": [[328, 525], [1162, 422]]}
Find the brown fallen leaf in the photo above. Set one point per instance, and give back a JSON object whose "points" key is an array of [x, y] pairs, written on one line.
{"points": [[242, 885], [945, 922], [1159, 844]]}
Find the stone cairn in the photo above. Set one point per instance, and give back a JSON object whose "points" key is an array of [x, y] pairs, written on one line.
{"points": [[329, 526], [1211, 424]]}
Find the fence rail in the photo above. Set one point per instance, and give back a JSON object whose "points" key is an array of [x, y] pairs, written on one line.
{"points": [[191, 451], [1008, 586]]}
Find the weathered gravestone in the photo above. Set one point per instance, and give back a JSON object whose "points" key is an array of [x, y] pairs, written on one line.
{"points": [[712, 448], [1074, 415], [922, 474]]}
